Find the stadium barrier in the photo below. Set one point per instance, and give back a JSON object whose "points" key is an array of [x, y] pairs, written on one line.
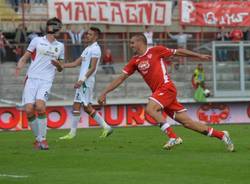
{"points": [[121, 114]]}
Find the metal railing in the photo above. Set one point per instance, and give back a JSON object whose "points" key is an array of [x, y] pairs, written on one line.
{"points": [[134, 87], [231, 69], [119, 47]]}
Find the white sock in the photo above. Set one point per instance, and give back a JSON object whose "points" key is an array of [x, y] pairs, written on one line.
{"points": [[74, 123], [33, 125], [42, 127], [164, 127], [100, 121]]}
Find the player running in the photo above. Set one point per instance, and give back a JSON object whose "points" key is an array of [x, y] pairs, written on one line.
{"points": [[149, 62], [46, 53]]}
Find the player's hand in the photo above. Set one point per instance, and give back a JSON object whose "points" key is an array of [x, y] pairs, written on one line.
{"points": [[17, 72], [102, 99], [78, 84], [57, 64], [205, 57]]}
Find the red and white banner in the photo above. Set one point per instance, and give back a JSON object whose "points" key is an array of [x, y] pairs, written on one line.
{"points": [[222, 13], [111, 12], [128, 115]]}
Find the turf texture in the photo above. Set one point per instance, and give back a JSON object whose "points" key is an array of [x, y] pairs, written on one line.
{"points": [[128, 156]]}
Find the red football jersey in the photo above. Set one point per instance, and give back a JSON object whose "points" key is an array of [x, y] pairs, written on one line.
{"points": [[151, 66]]}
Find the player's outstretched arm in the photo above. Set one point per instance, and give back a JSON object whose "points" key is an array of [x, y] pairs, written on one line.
{"points": [[114, 84], [173, 37], [73, 64], [188, 53], [21, 63]]}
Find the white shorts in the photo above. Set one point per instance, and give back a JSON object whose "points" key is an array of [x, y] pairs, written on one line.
{"points": [[36, 89], [84, 95]]}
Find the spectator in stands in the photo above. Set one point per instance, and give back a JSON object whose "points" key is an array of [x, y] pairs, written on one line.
{"points": [[149, 34], [247, 50], [236, 35], [76, 41], [174, 4], [26, 6], [198, 81], [18, 52], [3, 43], [199, 76], [107, 62], [21, 36], [222, 51], [14, 4], [32, 35], [246, 35], [41, 2], [148, 62], [42, 28], [181, 39]]}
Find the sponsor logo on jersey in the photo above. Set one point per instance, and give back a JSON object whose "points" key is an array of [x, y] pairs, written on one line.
{"points": [[46, 95], [143, 66], [44, 44], [149, 56]]}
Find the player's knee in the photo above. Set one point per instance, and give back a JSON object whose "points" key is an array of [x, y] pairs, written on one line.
{"points": [[151, 110], [86, 109], [187, 123], [76, 112], [90, 111], [148, 110], [29, 111], [40, 109]]}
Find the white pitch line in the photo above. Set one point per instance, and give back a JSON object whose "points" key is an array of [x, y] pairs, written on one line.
{"points": [[13, 176]]}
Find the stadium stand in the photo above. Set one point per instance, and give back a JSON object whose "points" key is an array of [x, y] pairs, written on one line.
{"points": [[11, 87], [228, 79], [6, 12]]}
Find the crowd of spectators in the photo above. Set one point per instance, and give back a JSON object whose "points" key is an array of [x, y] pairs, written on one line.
{"points": [[73, 37], [3, 44], [107, 62], [230, 53], [15, 4], [76, 40]]}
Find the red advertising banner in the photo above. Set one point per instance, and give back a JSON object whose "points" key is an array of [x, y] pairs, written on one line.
{"points": [[221, 13], [111, 12], [128, 115]]}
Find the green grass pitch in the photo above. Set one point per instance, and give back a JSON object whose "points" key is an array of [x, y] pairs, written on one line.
{"points": [[129, 156]]}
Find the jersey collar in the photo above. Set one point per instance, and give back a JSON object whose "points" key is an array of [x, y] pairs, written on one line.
{"points": [[144, 53], [93, 44], [45, 37]]}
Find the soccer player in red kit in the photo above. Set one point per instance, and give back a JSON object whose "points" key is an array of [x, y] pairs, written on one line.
{"points": [[149, 62]]}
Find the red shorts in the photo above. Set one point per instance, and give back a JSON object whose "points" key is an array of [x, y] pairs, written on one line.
{"points": [[165, 96]]}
